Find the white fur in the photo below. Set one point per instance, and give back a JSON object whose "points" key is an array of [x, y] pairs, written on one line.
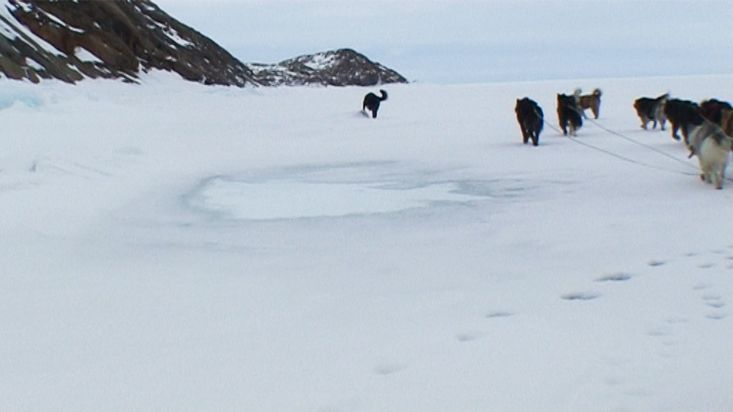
{"points": [[713, 157]]}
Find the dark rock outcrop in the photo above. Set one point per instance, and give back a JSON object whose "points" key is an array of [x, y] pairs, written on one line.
{"points": [[71, 40], [75, 39]]}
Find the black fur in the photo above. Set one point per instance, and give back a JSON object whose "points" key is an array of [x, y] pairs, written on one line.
{"points": [[712, 109], [372, 101], [530, 118], [684, 115], [648, 109], [568, 114]]}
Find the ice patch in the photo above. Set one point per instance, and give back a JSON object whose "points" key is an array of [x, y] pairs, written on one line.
{"points": [[289, 198], [7, 99]]}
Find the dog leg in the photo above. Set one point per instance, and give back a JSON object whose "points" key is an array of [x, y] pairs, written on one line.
{"points": [[715, 178], [705, 169], [719, 172], [675, 128]]}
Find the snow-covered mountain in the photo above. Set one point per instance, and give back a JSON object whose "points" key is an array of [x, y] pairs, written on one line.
{"points": [[73, 40], [331, 68]]}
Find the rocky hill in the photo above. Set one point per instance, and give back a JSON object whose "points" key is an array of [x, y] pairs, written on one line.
{"points": [[332, 68], [72, 40]]}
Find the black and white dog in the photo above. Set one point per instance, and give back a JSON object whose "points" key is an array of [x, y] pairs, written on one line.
{"points": [[530, 118], [372, 101], [568, 114]]}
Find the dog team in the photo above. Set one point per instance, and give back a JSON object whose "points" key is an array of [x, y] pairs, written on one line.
{"points": [[707, 128]]}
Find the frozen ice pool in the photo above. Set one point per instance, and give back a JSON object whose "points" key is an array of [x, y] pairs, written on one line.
{"points": [[291, 198]]}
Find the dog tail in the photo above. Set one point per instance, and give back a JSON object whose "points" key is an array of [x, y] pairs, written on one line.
{"points": [[384, 95]]}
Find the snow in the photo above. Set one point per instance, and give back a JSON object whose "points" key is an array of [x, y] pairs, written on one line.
{"points": [[320, 61], [173, 35], [11, 28], [86, 56], [60, 22], [158, 253]]}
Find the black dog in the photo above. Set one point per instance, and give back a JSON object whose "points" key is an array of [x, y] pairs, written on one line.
{"points": [[568, 114], [530, 118], [684, 115], [650, 109], [712, 109], [372, 101]]}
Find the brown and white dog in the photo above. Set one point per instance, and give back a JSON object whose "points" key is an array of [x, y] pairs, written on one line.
{"points": [[589, 101]]}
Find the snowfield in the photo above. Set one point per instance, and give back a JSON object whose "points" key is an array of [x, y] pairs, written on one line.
{"points": [[175, 247]]}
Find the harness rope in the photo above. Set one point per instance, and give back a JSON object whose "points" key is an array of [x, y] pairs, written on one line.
{"points": [[624, 158], [621, 157], [654, 149]]}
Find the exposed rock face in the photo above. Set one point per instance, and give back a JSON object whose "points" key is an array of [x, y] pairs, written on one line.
{"points": [[341, 67], [75, 39]]}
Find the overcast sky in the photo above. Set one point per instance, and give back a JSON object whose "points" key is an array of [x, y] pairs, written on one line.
{"points": [[449, 41]]}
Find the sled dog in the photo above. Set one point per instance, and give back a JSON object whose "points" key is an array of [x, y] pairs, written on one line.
{"points": [[372, 101], [589, 101], [530, 119], [684, 115], [712, 147], [568, 114], [651, 109]]}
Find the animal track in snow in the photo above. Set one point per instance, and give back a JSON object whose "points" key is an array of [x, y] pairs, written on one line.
{"points": [[701, 286], [468, 336], [615, 277], [717, 303], [716, 315], [655, 263], [499, 314], [581, 296], [713, 301]]}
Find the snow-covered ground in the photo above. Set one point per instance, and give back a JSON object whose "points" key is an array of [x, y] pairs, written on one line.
{"points": [[175, 247]]}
